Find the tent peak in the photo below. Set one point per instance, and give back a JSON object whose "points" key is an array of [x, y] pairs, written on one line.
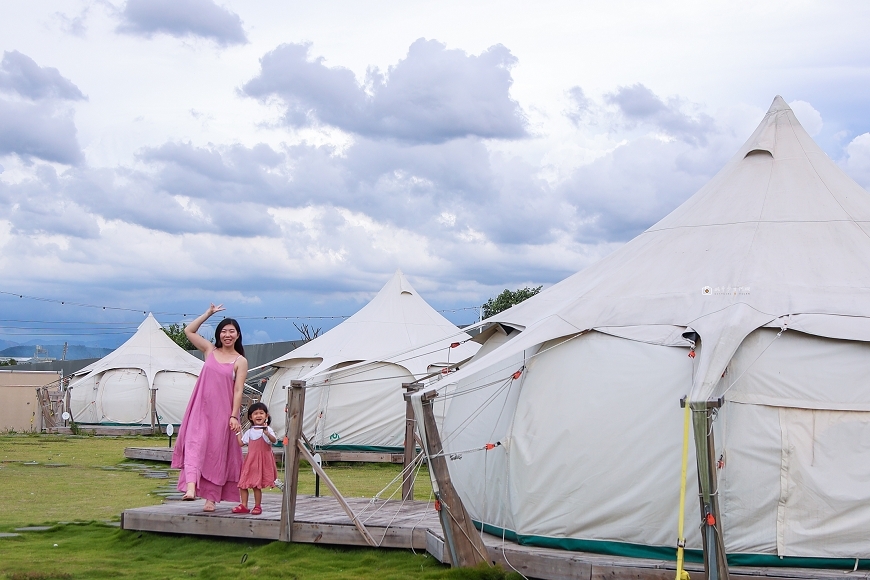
{"points": [[778, 104], [150, 321], [399, 282]]}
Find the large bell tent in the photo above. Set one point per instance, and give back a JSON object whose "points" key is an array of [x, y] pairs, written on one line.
{"points": [[117, 389], [752, 299], [354, 372]]}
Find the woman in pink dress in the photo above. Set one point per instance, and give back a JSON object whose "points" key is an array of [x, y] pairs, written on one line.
{"points": [[206, 450]]}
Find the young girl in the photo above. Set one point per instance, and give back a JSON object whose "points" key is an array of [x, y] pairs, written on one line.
{"points": [[259, 470]]}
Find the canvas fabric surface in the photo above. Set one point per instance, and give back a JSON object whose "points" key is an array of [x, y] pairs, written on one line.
{"points": [[354, 372], [766, 273], [117, 388]]}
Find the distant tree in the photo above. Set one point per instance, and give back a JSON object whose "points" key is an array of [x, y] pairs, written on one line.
{"points": [[308, 333], [507, 299], [8, 363], [176, 333]]}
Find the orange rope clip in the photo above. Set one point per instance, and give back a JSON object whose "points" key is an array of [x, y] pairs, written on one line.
{"points": [[517, 374], [286, 441], [710, 520], [454, 345], [692, 353], [489, 446], [437, 505]]}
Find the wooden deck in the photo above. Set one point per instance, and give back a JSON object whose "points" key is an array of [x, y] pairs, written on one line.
{"points": [[319, 520], [415, 525], [165, 454], [113, 430]]}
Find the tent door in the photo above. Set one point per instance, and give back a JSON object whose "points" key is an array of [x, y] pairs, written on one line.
{"points": [[824, 483]]}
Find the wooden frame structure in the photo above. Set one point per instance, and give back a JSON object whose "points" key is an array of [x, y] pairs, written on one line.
{"points": [[463, 541], [294, 449], [465, 545]]}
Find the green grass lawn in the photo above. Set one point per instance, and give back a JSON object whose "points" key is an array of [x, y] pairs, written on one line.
{"points": [[77, 484]]}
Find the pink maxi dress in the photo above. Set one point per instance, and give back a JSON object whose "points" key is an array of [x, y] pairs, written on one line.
{"points": [[206, 451]]}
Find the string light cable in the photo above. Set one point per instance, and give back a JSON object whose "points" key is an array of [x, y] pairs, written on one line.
{"points": [[145, 311]]}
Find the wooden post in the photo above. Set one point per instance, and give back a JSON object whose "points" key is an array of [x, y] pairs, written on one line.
{"points": [[715, 562], [66, 404], [463, 540], [410, 441], [295, 414], [153, 411]]}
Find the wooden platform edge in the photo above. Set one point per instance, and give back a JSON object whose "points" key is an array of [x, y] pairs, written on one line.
{"points": [[150, 453], [265, 529], [553, 564], [165, 454], [99, 430], [533, 562]]}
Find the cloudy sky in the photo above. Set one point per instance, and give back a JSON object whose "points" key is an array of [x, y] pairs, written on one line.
{"points": [[284, 158]]}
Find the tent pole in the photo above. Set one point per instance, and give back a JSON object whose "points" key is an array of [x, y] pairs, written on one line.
{"points": [[715, 563], [410, 441], [295, 413], [463, 540], [153, 411], [66, 400]]}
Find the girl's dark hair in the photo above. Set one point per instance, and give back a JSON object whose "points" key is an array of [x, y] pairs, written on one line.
{"points": [[259, 407], [217, 335]]}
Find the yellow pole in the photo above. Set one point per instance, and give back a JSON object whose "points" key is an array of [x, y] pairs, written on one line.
{"points": [[681, 541]]}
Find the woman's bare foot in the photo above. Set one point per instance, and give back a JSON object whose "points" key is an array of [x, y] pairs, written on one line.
{"points": [[209, 506], [190, 494]]}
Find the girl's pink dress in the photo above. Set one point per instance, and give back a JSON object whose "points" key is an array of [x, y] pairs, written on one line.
{"points": [[259, 470], [206, 451]]}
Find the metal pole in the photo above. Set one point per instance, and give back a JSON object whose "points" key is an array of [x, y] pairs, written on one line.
{"points": [[715, 562]]}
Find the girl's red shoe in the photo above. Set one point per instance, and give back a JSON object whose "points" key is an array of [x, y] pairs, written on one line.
{"points": [[241, 509], [256, 511]]}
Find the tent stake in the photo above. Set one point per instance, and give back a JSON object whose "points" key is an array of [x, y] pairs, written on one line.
{"points": [[463, 540], [295, 413]]}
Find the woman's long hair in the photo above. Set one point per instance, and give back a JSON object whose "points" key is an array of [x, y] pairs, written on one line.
{"points": [[217, 335]]}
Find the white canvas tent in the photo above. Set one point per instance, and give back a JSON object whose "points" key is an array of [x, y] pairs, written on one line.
{"points": [[398, 338], [116, 389], [766, 272]]}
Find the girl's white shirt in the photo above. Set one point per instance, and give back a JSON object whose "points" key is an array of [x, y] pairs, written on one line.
{"points": [[254, 434]]}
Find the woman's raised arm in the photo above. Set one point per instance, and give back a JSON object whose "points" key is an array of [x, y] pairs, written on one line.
{"points": [[190, 330]]}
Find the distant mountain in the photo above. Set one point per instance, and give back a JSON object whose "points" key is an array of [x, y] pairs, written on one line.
{"points": [[7, 343], [55, 351]]}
